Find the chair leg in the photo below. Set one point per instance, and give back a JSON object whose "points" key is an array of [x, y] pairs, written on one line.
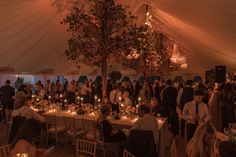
{"points": [[46, 140], [57, 141]]}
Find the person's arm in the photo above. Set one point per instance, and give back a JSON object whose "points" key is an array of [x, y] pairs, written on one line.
{"points": [[180, 93], [36, 116], [206, 113]]}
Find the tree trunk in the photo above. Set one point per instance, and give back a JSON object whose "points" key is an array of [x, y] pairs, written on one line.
{"points": [[104, 76]]}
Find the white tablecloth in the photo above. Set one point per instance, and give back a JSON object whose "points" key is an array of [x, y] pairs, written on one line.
{"points": [[164, 139]]}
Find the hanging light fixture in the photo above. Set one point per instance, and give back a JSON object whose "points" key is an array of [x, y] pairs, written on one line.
{"points": [[184, 66], [176, 57]]}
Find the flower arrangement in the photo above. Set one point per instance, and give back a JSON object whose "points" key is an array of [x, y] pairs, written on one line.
{"points": [[131, 111]]}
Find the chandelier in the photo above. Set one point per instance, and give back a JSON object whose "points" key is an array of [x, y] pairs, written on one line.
{"points": [[176, 57]]}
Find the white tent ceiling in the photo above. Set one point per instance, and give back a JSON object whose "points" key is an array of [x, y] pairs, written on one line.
{"points": [[33, 40]]}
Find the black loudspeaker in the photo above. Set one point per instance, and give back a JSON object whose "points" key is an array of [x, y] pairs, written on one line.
{"points": [[210, 75], [220, 74]]}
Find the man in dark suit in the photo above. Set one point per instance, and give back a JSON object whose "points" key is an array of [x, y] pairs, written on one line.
{"points": [[169, 99], [7, 93]]}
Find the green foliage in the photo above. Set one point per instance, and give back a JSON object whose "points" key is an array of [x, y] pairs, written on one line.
{"points": [[97, 31], [115, 75], [154, 50]]}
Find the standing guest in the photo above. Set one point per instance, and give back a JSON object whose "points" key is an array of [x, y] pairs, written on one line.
{"points": [[110, 134], [185, 95], [169, 96], [215, 108], [195, 112], [7, 94], [147, 121], [228, 106], [157, 91], [48, 87], [203, 142], [21, 96], [85, 91]]}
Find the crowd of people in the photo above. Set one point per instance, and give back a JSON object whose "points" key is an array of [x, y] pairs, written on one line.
{"points": [[202, 108]]}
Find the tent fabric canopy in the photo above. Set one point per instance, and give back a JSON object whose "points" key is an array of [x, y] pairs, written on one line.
{"points": [[32, 39]]}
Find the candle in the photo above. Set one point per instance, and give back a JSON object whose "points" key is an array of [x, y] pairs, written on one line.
{"points": [[99, 100], [49, 97], [136, 106], [82, 99], [65, 101], [139, 99], [33, 96], [61, 96], [122, 105], [120, 98], [95, 97], [78, 98], [37, 99]]}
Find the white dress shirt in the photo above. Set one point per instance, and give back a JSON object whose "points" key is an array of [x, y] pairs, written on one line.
{"points": [[148, 122], [189, 112]]}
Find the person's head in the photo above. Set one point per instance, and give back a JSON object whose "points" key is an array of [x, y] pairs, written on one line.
{"points": [[189, 82], [169, 82], [204, 138], [105, 110], [30, 129], [22, 87], [28, 102], [126, 94], [8, 82], [143, 109], [198, 96], [153, 102]]}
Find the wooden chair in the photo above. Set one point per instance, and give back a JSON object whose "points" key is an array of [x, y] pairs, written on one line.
{"points": [[8, 120], [52, 129], [71, 130], [85, 147], [5, 150], [89, 129], [127, 154], [105, 147]]}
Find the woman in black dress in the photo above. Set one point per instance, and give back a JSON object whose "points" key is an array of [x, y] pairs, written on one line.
{"points": [[109, 133]]}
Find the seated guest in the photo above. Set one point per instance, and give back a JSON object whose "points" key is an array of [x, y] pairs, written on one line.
{"points": [[110, 134], [203, 142], [23, 142], [126, 99], [146, 121], [21, 115], [27, 112], [156, 108]]}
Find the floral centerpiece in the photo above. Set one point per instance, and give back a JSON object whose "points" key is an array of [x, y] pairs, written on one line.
{"points": [[131, 111]]}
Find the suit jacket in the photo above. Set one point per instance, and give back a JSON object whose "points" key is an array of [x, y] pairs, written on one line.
{"points": [[141, 143], [169, 97], [7, 92]]}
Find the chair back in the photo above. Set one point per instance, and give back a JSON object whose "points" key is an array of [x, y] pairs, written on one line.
{"points": [[178, 147], [8, 116], [85, 147], [88, 125], [5, 150], [99, 129], [51, 122], [141, 147], [127, 154], [70, 123]]}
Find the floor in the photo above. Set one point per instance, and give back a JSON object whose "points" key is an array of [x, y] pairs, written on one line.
{"points": [[61, 151]]}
